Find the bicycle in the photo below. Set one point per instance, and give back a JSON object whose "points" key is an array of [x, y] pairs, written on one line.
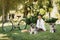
{"points": [[11, 24], [21, 23]]}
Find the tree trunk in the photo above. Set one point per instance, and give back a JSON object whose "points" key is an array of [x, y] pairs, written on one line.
{"points": [[49, 14], [25, 11], [3, 11]]}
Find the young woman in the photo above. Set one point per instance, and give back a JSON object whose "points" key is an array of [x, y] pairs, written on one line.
{"points": [[40, 23]]}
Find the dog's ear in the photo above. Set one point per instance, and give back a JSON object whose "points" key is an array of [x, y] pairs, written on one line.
{"points": [[31, 24]]}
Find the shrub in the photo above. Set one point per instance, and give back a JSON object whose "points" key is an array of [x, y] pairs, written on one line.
{"points": [[51, 20], [32, 19]]}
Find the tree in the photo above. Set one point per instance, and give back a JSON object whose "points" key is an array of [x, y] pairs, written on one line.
{"points": [[9, 5], [49, 5]]}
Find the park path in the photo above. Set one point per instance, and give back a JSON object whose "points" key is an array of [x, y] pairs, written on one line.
{"points": [[4, 37], [7, 24]]}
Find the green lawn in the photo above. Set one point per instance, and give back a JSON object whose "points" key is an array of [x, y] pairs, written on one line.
{"points": [[17, 35]]}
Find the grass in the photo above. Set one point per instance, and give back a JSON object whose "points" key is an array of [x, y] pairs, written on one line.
{"points": [[17, 35]]}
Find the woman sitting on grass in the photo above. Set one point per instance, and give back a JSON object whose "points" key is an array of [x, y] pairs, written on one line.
{"points": [[40, 23]]}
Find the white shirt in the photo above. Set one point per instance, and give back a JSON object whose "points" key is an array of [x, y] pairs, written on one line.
{"points": [[40, 24]]}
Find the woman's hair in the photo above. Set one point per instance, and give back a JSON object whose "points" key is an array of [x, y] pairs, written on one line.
{"points": [[40, 15]]}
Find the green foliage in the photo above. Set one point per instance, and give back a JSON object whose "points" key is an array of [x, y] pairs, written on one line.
{"points": [[42, 12], [50, 20], [40, 3], [28, 21], [32, 19], [49, 5], [12, 5]]}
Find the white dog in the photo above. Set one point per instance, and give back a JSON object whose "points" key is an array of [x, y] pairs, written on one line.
{"points": [[52, 28], [33, 30]]}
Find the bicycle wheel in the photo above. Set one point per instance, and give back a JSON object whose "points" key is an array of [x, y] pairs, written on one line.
{"points": [[22, 24], [7, 26]]}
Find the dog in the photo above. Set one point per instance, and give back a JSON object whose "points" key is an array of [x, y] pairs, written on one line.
{"points": [[52, 28], [33, 29]]}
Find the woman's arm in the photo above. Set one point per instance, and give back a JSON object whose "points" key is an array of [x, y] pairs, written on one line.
{"points": [[37, 25]]}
